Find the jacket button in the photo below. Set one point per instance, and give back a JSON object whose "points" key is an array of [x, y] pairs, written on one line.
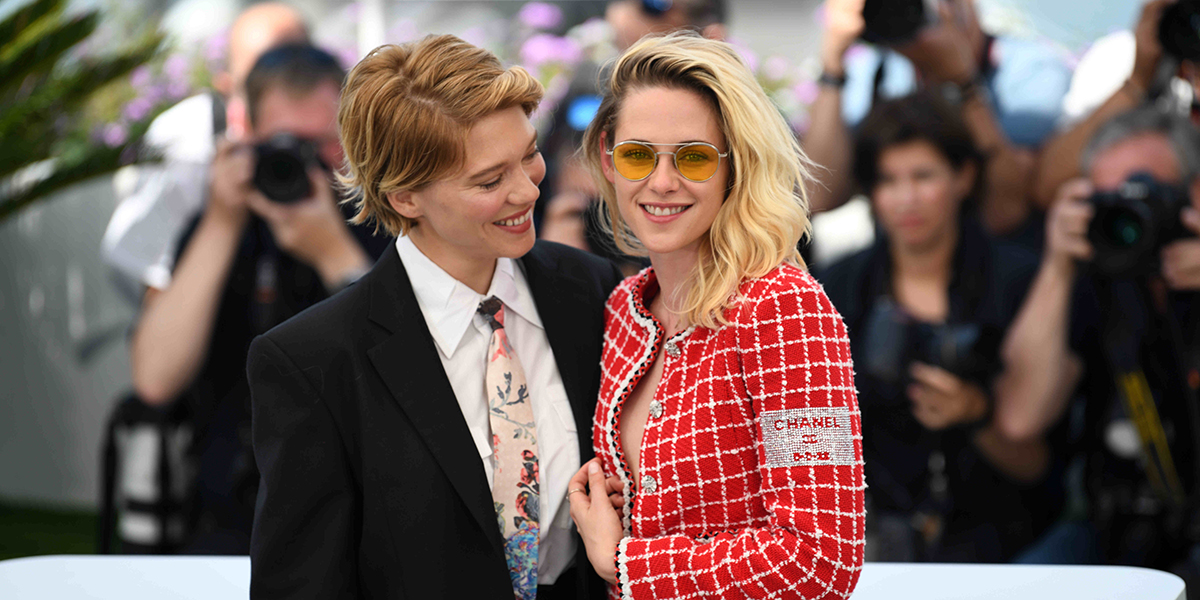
{"points": [[656, 409], [672, 349], [649, 484]]}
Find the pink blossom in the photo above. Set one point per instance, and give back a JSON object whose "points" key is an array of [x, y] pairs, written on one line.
{"points": [[216, 47], [137, 109], [176, 68], [177, 89], [806, 92], [746, 53], [545, 48], [114, 135], [141, 77], [540, 15]]}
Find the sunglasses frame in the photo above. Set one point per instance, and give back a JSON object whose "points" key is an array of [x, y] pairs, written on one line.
{"points": [[674, 158]]}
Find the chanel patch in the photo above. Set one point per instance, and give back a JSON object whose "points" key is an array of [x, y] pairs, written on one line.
{"points": [[808, 436]]}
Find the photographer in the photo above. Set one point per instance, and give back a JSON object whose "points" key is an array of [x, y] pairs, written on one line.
{"points": [[247, 264], [1009, 92], [927, 308], [1158, 62], [1131, 228]]}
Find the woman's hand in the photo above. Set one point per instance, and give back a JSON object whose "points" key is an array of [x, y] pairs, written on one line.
{"points": [[940, 400], [594, 516]]}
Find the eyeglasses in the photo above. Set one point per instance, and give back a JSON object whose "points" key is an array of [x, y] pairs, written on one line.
{"points": [[696, 161]]}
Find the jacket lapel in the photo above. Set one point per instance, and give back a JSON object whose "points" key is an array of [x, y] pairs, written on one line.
{"points": [[410, 367], [563, 331]]}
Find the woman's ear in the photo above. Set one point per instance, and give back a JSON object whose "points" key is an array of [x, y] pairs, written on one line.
{"points": [[406, 203], [605, 158]]}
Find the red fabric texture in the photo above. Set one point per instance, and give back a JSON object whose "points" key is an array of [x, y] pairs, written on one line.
{"points": [[719, 519]]}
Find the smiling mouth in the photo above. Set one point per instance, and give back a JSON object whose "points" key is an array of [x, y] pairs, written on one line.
{"points": [[515, 220], [664, 211]]}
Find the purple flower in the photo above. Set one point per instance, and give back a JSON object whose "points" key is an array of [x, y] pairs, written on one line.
{"points": [[545, 48], [746, 53], [114, 135], [155, 93], [177, 89], [540, 15], [141, 78], [806, 92], [137, 109], [176, 68], [216, 47]]}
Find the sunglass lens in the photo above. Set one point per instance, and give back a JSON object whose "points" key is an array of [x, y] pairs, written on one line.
{"points": [[634, 161], [697, 162]]}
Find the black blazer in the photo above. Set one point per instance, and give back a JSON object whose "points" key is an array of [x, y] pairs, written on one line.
{"points": [[371, 484]]}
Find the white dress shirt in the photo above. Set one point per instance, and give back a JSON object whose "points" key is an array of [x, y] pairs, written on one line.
{"points": [[462, 336]]}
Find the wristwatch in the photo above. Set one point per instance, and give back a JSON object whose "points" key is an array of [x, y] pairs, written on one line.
{"points": [[828, 79], [956, 94]]}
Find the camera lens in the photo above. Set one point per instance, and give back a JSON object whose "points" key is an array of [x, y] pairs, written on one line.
{"points": [[282, 170], [1179, 30], [1122, 228]]}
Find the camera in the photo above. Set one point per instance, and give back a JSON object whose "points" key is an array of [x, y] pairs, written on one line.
{"points": [[896, 21], [1179, 30], [1132, 223], [281, 167], [894, 341]]}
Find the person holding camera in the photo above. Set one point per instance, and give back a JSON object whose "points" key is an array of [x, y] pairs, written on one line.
{"points": [[929, 308], [140, 239], [1157, 63], [1118, 290], [270, 242], [1008, 90]]}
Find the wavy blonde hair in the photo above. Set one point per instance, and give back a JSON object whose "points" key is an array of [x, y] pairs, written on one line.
{"points": [[765, 213], [405, 114]]}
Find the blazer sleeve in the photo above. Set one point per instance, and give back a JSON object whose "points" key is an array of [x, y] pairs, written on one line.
{"points": [[304, 540], [795, 362]]}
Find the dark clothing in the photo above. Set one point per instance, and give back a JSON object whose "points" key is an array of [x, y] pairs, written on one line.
{"points": [[373, 486], [985, 516], [265, 286], [1125, 328]]}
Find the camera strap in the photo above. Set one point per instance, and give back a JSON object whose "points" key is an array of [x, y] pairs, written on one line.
{"points": [[1123, 338]]}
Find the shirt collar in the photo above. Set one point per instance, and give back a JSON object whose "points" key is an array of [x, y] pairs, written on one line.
{"points": [[449, 305]]}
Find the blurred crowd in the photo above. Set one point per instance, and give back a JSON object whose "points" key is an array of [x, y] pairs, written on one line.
{"points": [[1025, 324]]}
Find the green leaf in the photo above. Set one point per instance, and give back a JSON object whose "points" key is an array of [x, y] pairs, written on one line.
{"points": [[21, 20], [38, 55]]}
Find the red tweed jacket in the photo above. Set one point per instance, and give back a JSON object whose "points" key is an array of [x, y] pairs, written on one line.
{"points": [[751, 482]]}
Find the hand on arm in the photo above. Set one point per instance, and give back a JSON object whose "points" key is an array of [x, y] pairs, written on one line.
{"points": [[172, 336], [314, 231], [827, 142]]}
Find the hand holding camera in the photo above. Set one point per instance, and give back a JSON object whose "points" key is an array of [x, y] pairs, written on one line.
{"points": [[944, 50], [230, 183], [1181, 259], [941, 400]]}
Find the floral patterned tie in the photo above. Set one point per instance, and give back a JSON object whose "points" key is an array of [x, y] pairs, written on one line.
{"points": [[515, 450]]}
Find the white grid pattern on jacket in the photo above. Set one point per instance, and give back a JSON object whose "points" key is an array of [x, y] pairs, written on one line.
{"points": [[719, 523]]}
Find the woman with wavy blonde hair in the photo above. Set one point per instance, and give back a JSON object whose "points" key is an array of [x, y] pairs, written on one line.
{"points": [[727, 424]]}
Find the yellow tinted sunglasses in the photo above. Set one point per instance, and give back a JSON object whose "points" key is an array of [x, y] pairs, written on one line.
{"points": [[696, 161]]}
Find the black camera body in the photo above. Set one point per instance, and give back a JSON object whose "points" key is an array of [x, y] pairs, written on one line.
{"points": [[1179, 30], [281, 167], [888, 22], [894, 341], [1132, 224]]}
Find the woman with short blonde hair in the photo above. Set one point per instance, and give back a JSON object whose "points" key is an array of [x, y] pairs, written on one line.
{"points": [[727, 424]]}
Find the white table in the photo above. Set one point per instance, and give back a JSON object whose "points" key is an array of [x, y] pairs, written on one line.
{"points": [[217, 578]]}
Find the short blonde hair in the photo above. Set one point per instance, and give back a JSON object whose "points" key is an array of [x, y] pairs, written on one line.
{"points": [[405, 114], [765, 213]]}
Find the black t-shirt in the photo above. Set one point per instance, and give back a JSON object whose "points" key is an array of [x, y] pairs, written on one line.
{"points": [[265, 287], [987, 516]]}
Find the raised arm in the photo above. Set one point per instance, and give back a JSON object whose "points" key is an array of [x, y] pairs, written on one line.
{"points": [[173, 334], [305, 537], [828, 142]]}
